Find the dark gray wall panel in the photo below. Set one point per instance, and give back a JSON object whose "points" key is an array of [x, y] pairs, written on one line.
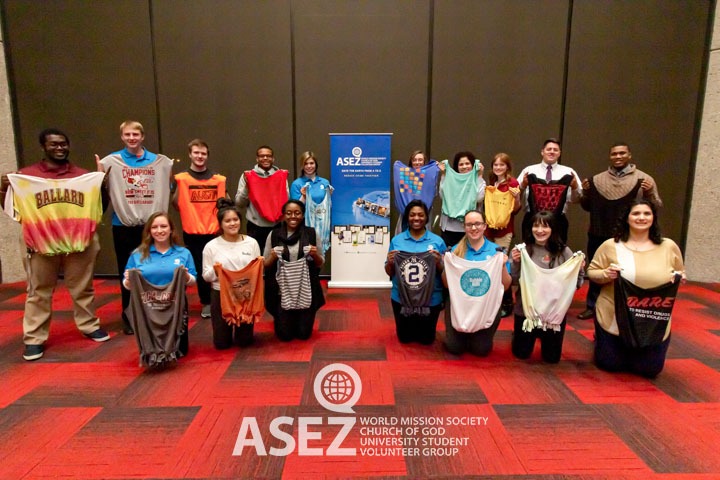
{"points": [[498, 71], [83, 67], [224, 75], [361, 67], [634, 74]]}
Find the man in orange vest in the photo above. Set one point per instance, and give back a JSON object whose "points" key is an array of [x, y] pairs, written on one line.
{"points": [[198, 190]]}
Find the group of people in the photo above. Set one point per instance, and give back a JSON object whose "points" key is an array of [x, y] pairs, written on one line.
{"points": [[458, 270], [60, 204], [468, 270]]}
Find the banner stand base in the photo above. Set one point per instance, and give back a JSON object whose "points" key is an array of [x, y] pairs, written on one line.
{"points": [[386, 284]]}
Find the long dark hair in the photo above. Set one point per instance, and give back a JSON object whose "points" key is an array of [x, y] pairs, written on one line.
{"points": [[622, 231], [414, 203], [555, 246], [223, 206]]}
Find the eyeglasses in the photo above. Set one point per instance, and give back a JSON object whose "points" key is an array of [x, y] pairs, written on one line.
{"points": [[294, 214], [477, 225]]}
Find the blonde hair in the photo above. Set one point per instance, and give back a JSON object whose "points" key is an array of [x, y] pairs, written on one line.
{"points": [[304, 158], [462, 245], [132, 124]]}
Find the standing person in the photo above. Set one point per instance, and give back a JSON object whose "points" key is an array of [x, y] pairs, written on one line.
{"points": [[472, 189], [473, 246], [416, 180], [263, 191], [416, 325], [318, 186], [606, 196], [501, 179], [552, 187], [138, 185], [293, 297], [642, 256], [546, 250], [198, 190], [233, 251], [157, 257], [316, 200], [77, 260]]}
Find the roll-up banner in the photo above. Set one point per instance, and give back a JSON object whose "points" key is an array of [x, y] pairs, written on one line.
{"points": [[360, 175]]}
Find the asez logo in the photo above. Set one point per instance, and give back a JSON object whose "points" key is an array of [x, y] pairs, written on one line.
{"points": [[337, 387]]}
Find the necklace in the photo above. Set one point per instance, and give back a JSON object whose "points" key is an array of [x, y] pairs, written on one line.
{"points": [[637, 248]]}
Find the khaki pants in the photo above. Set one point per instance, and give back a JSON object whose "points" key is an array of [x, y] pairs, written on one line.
{"points": [[503, 241], [42, 275]]}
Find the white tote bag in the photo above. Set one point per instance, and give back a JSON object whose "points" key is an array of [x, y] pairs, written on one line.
{"points": [[547, 292], [476, 291]]}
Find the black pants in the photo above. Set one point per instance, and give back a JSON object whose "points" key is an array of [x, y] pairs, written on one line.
{"points": [[416, 328], [259, 233], [594, 243], [478, 343], [294, 324], [451, 238], [196, 243], [523, 343], [184, 343], [612, 355], [224, 334], [125, 240]]}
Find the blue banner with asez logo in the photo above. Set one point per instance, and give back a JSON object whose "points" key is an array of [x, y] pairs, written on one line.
{"points": [[360, 175]]}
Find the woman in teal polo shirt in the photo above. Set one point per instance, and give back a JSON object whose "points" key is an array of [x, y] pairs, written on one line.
{"points": [[474, 246], [318, 186], [416, 327], [157, 257]]}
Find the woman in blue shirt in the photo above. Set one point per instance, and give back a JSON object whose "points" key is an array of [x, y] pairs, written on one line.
{"points": [[416, 327], [318, 186], [159, 255], [474, 246]]}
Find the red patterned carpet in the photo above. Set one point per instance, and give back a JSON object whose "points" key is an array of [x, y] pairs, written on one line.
{"points": [[86, 410]]}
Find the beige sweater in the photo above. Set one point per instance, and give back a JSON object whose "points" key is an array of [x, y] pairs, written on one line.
{"points": [[645, 269]]}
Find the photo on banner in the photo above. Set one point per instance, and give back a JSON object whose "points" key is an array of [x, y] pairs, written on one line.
{"points": [[360, 174]]}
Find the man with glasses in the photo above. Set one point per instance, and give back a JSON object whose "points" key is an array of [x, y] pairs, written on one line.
{"points": [[43, 269], [263, 191]]}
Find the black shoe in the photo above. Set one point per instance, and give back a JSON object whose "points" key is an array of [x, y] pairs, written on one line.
{"points": [[127, 330], [98, 335], [586, 314], [504, 312], [33, 352]]}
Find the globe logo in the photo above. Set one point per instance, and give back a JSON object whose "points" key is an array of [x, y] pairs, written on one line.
{"points": [[337, 387], [357, 151], [475, 282]]}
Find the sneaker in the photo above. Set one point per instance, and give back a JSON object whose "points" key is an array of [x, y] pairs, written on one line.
{"points": [[33, 352], [586, 314], [206, 312], [98, 335]]}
